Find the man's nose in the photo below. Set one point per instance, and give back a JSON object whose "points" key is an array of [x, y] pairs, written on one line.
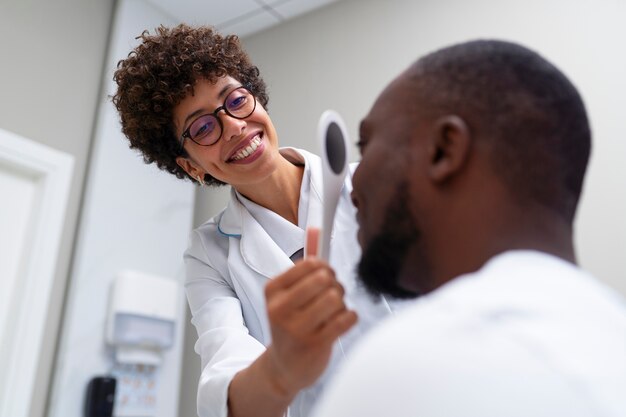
{"points": [[355, 201]]}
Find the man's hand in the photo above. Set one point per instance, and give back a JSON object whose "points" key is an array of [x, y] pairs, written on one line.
{"points": [[307, 314]]}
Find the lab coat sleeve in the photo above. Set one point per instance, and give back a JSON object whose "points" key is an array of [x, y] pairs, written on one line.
{"points": [[224, 343]]}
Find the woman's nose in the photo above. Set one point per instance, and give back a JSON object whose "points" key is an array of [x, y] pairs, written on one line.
{"points": [[233, 127]]}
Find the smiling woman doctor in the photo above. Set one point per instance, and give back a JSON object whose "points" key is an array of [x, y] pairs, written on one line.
{"points": [[192, 102]]}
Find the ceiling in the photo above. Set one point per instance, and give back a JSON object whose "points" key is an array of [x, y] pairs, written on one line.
{"points": [[241, 17]]}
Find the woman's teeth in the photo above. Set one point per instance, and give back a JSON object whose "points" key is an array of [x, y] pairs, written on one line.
{"points": [[247, 151]]}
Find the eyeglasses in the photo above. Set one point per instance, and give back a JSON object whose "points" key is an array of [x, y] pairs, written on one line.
{"points": [[207, 129]]}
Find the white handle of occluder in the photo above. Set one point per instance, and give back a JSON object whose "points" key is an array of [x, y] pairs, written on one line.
{"points": [[333, 140]]}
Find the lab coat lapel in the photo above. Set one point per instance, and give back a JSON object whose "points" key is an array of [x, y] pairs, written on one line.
{"points": [[259, 251], [256, 248]]}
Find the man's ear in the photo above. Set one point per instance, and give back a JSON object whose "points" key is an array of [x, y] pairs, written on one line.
{"points": [[190, 167], [450, 147]]}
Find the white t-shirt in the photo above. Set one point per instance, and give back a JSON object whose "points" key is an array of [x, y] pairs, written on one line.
{"points": [[527, 335]]}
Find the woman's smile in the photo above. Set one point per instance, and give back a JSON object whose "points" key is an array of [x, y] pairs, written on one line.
{"points": [[248, 150]]}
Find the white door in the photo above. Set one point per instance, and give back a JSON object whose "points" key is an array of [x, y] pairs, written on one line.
{"points": [[34, 186]]}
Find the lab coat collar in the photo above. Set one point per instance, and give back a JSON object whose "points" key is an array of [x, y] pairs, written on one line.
{"points": [[230, 221]]}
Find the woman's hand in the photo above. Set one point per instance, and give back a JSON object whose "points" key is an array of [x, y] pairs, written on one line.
{"points": [[307, 314]]}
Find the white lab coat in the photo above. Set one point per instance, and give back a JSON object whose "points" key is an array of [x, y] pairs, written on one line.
{"points": [[230, 259]]}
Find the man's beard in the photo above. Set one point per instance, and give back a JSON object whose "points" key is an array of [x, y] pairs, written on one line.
{"points": [[383, 257]]}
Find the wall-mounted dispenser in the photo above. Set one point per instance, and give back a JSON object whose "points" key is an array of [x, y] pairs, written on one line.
{"points": [[142, 317], [141, 324]]}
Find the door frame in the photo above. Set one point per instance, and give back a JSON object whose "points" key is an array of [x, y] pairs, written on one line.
{"points": [[50, 171]]}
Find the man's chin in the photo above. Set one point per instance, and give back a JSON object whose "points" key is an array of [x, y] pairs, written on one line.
{"points": [[379, 270], [385, 254]]}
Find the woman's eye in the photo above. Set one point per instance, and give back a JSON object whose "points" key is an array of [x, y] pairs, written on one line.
{"points": [[237, 102], [202, 128]]}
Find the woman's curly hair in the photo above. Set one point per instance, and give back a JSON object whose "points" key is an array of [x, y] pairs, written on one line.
{"points": [[160, 72]]}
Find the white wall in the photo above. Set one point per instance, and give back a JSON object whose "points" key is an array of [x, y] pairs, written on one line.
{"points": [[343, 55], [134, 217]]}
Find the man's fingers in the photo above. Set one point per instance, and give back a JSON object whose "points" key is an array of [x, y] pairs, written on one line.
{"points": [[312, 241]]}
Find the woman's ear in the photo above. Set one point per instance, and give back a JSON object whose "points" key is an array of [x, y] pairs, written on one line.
{"points": [[450, 147], [190, 167]]}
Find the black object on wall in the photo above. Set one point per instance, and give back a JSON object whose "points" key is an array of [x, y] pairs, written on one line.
{"points": [[100, 397]]}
